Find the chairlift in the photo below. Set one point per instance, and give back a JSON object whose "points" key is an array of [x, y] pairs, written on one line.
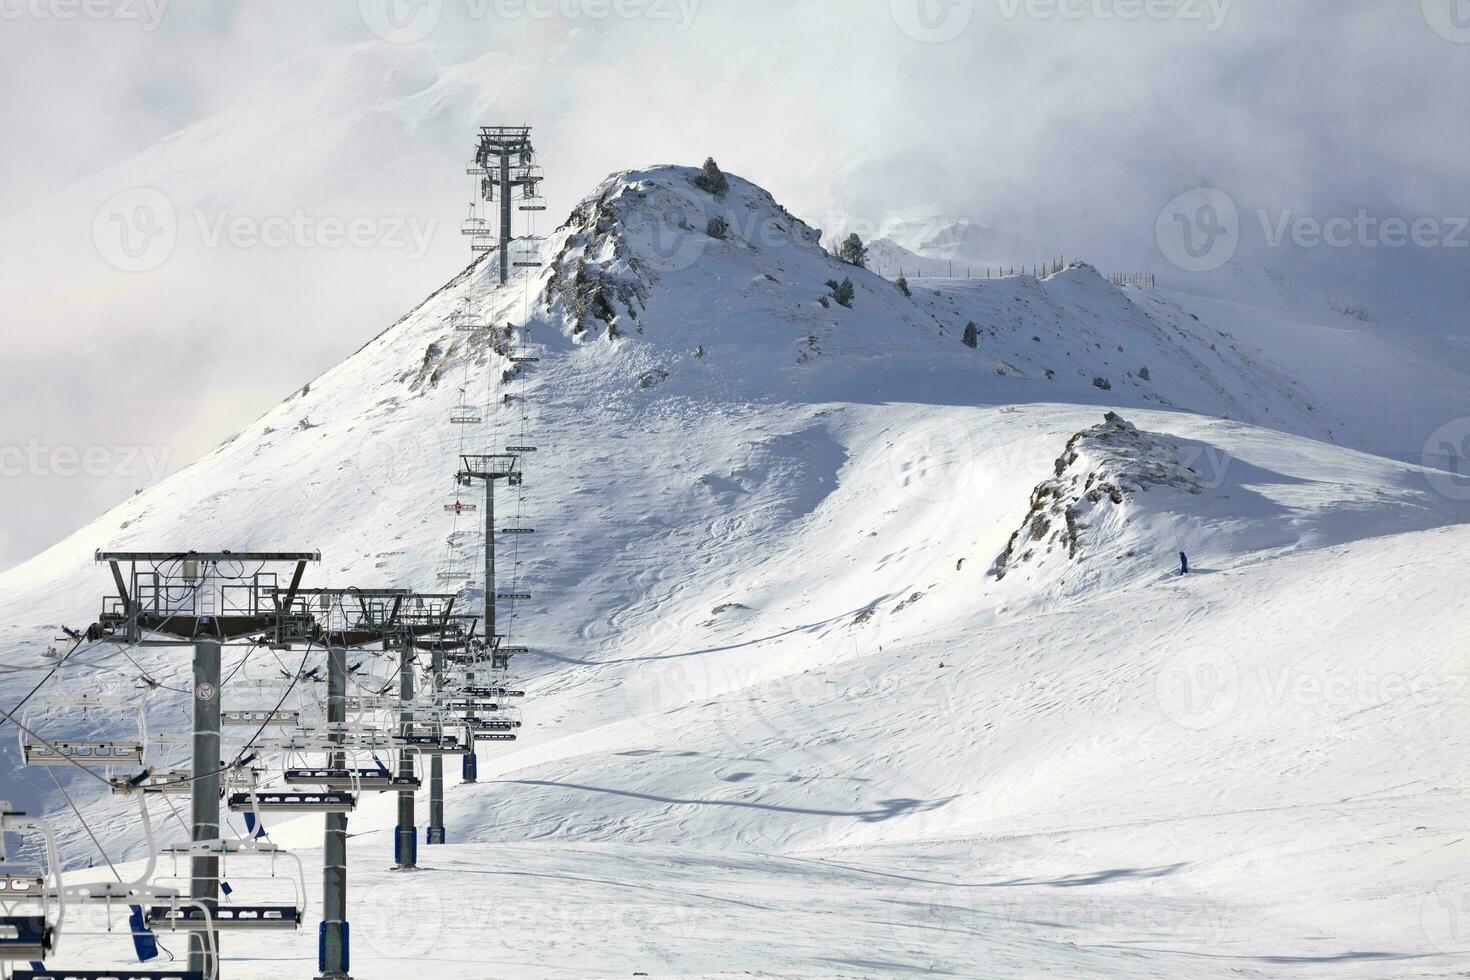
{"points": [[526, 254], [531, 199], [465, 415], [31, 911], [520, 449], [455, 576], [518, 530], [459, 507], [474, 225], [514, 596], [231, 914], [41, 751]]}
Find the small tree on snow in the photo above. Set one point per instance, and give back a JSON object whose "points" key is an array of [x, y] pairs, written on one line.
{"points": [[972, 335], [842, 292], [717, 227], [712, 179], [853, 251], [903, 286]]}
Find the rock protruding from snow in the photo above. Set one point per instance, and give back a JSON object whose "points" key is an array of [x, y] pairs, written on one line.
{"points": [[1085, 504]]}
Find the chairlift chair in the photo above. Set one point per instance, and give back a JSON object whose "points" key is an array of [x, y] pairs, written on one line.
{"points": [[526, 254], [230, 914], [474, 225], [39, 751], [465, 415], [31, 910]]}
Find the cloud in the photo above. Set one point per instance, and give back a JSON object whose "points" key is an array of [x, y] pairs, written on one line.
{"points": [[1062, 128]]}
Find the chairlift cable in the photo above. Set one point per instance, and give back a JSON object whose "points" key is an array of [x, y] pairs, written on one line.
{"points": [[83, 821]]}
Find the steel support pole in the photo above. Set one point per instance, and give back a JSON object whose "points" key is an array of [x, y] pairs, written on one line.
{"points": [[405, 849], [436, 762], [204, 871], [504, 215], [332, 955]]}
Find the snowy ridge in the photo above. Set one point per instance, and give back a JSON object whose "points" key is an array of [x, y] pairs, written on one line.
{"points": [[1101, 469]]}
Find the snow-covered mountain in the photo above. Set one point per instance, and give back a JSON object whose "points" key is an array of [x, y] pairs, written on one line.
{"points": [[779, 684]]}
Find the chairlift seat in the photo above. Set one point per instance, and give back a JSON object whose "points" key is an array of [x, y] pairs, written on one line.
{"points": [[275, 801], [240, 718], [495, 737], [126, 973], [518, 530], [434, 745], [106, 753], [25, 937], [454, 576], [258, 917], [459, 508], [465, 420], [368, 780], [522, 596]]}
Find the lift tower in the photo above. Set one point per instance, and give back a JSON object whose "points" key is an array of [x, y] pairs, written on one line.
{"points": [[204, 600], [505, 159]]}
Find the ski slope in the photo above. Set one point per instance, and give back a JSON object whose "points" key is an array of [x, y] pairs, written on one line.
{"points": [[776, 688]]}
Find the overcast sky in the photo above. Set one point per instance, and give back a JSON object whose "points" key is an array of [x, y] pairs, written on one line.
{"points": [[255, 136]]}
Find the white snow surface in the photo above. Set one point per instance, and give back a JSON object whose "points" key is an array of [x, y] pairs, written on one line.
{"points": [[781, 718]]}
